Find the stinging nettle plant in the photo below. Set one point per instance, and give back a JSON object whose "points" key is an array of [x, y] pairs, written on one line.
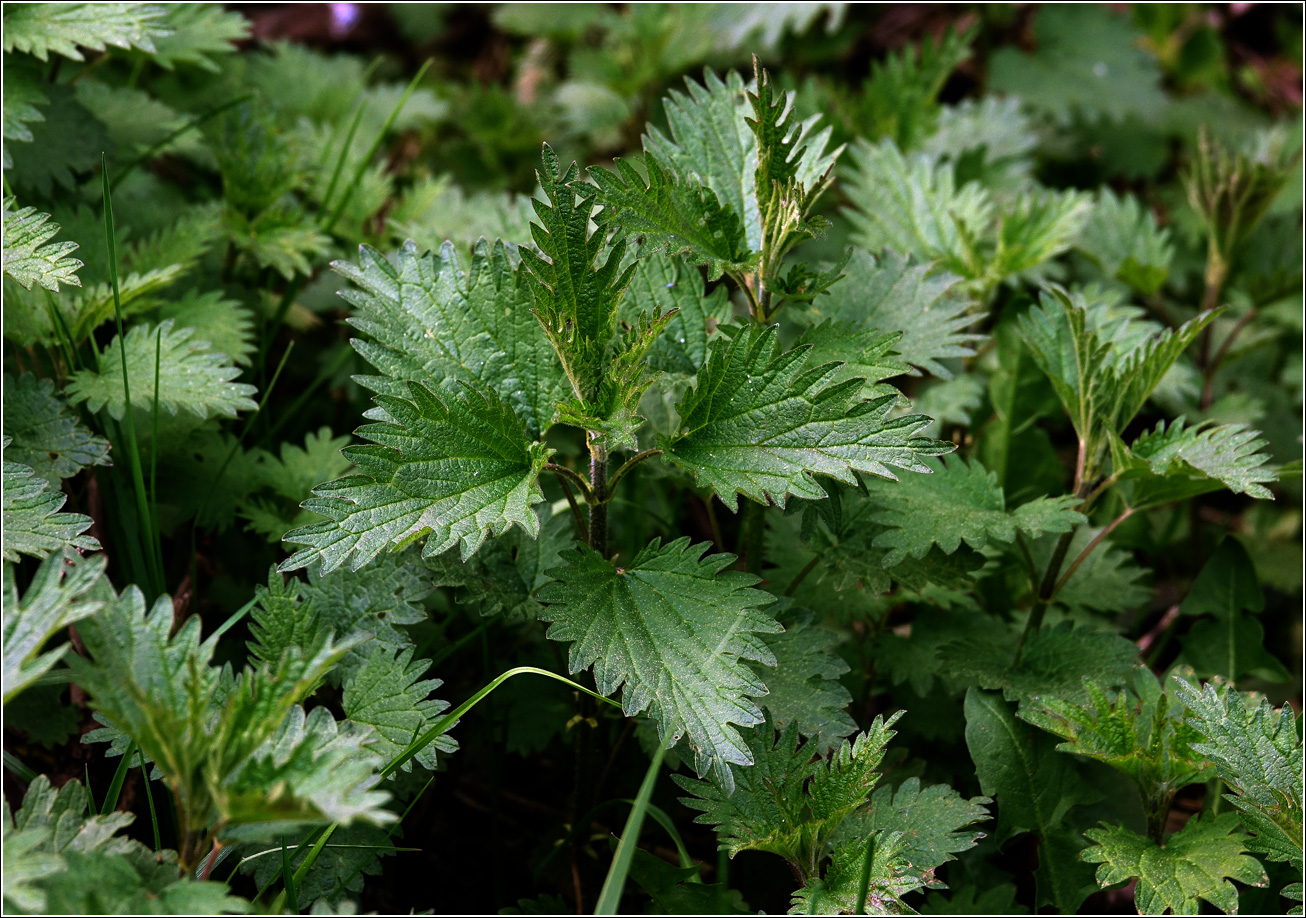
{"points": [[777, 427]]}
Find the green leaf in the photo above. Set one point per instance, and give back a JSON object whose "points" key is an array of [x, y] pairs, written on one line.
{"points": [[1042, 225], [65, 144], [337, 873], [1055, 662], [674, 215], [1101, 385], [452, 469], [29, 255], [1142, 736], [389, 694], [1176, 462], [235, 751], [1089, 63], [1232, 642], [54, 599], [993, 128], [959, 502], [435, 209], [1123, 240], [1195, 863], [24, 97], [505, 576], [33, 524], [45, 434], [900, 98], [372, 604], [756, 424], [1035, 789], [913, 206], [197, 32], [865, 354], [674, 628], [191, 377], [935, 822], [1258, 752], [897, 294], [804, 687], [712, 143], [280, 620], [890, 876], [39, 28], [660, 284], [434, 320], [786, 802], [293, 474], [575, 297], [225, 324], [676, 891]]}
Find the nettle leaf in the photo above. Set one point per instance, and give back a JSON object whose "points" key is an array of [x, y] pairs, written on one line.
{"points": [[1121, 237], [1089, 62], [1055, 661], [673, 215], [197, 32], [1042, 225], [712, 143], [453, 469], [337, 874], [29, 255], [661, 284], [804, 687], [865, 354], [786, 802], [435, 319], [236, 751], [960, 502], [434, 210], [505, 576], [1258, 752], [191, 377], [280, 620], [59, 858], [1143, 736], [373, 604], [1100, 386], [55, 598], [1232, 641], [756, 424], [913, 206], [1035, 789], [1175, 462], [679, 890], [1195, 863], [1107, 581], [24, 97], [994, 128], [389, 694], [897, 294], [900, 99], [674, 628], [44, 433], [910, 833], [40, 28], [33, 524], [225, 324], [935, 822]]}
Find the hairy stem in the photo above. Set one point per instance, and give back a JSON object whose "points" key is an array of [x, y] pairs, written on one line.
{"points": [[1088, 550], [566, 474], [1045, 592], [802, 575], [627, 466], [598, 499]]}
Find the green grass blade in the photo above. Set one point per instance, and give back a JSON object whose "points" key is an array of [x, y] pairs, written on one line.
{"points": [[864, 885], [615, 883], [154, 447], [149, 549], [18, 769], [119, 775], [90, 795], [149, 797], [292, 900]]}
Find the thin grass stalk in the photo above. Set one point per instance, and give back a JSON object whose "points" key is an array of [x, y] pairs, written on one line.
{"points": [[615, 882]]}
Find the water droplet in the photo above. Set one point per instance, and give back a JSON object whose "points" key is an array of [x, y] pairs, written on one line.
{"points": [[1100, 69]]}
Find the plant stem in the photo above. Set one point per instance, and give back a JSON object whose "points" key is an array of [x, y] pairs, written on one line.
{"points": [[574, 477], [802, 575], [598, 530], [1088, 550], [627, 466], [1208, 371], [1045, 592]]}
